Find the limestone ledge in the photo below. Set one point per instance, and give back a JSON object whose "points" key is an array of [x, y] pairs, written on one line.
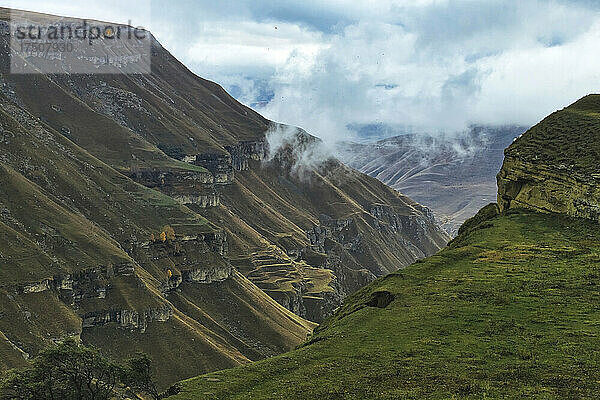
{"points": [[205, 275], [237, 158], [127, 319], [186, 187], [219, 165], [155, 178], [548, 188], [190, 258], [74, 287], [343, 231], [215, 241], [203, 200], [291, 300], [200, 188], [245, 151]]}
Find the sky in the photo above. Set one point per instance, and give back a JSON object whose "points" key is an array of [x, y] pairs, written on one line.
{"points": [[412, 65]]}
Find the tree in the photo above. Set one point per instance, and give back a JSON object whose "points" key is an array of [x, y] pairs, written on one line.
{"points": [[26, 384], [169, 232], [65, 371], [72, 372], [163, 237], [138, 375]]}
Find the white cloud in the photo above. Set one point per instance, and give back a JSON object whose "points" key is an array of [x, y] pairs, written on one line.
{"points": [[304, 154], [525, 85], [250, 43], [434, 72], [429, 64]]}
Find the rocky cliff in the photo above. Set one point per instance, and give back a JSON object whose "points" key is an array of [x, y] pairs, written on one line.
{"points": [[329, 211], [553, 166], [97, 241]]}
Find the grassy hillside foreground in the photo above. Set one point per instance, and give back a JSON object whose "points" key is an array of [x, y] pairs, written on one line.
{"points": [[511, 309]]}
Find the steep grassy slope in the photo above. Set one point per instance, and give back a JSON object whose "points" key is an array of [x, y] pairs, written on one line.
{"points": [[509, 310], [139, 212], [187, 138], [76, 260], [215, 326], [566, 137]]}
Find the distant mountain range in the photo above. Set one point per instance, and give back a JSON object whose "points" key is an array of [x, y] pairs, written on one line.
{"points": [[454, 175]]}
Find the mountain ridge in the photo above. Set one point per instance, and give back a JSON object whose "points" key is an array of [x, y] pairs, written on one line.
{"points": [[140, 214], [454, 175]]}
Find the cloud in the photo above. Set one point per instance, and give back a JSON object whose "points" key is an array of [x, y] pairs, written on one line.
{"points": [[524, 85], [428, 65], [299, 152], [443, 67], [250, 43]]}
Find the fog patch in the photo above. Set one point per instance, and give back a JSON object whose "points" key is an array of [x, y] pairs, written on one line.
{"points": [[296, 150]]}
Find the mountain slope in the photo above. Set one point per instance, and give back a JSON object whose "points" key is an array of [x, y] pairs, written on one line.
{"points": [[77, 260], [509, 309], [145, 126], [146, 212], [454, 176]]}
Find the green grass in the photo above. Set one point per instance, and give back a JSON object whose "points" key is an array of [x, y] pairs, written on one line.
{"points": [[511, 309], [75, 241], [568, 137]]}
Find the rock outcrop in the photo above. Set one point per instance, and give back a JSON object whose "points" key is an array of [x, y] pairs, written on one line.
{"points": [[245, 151], [203, 200], [207, 275], [156, 178], [201, 188], [127, 319], [189, 258], [80, 181], [553, 166], [558, 189], [342, 231], [187, 187], [219, 165], [92, 283], [237, 158]]}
